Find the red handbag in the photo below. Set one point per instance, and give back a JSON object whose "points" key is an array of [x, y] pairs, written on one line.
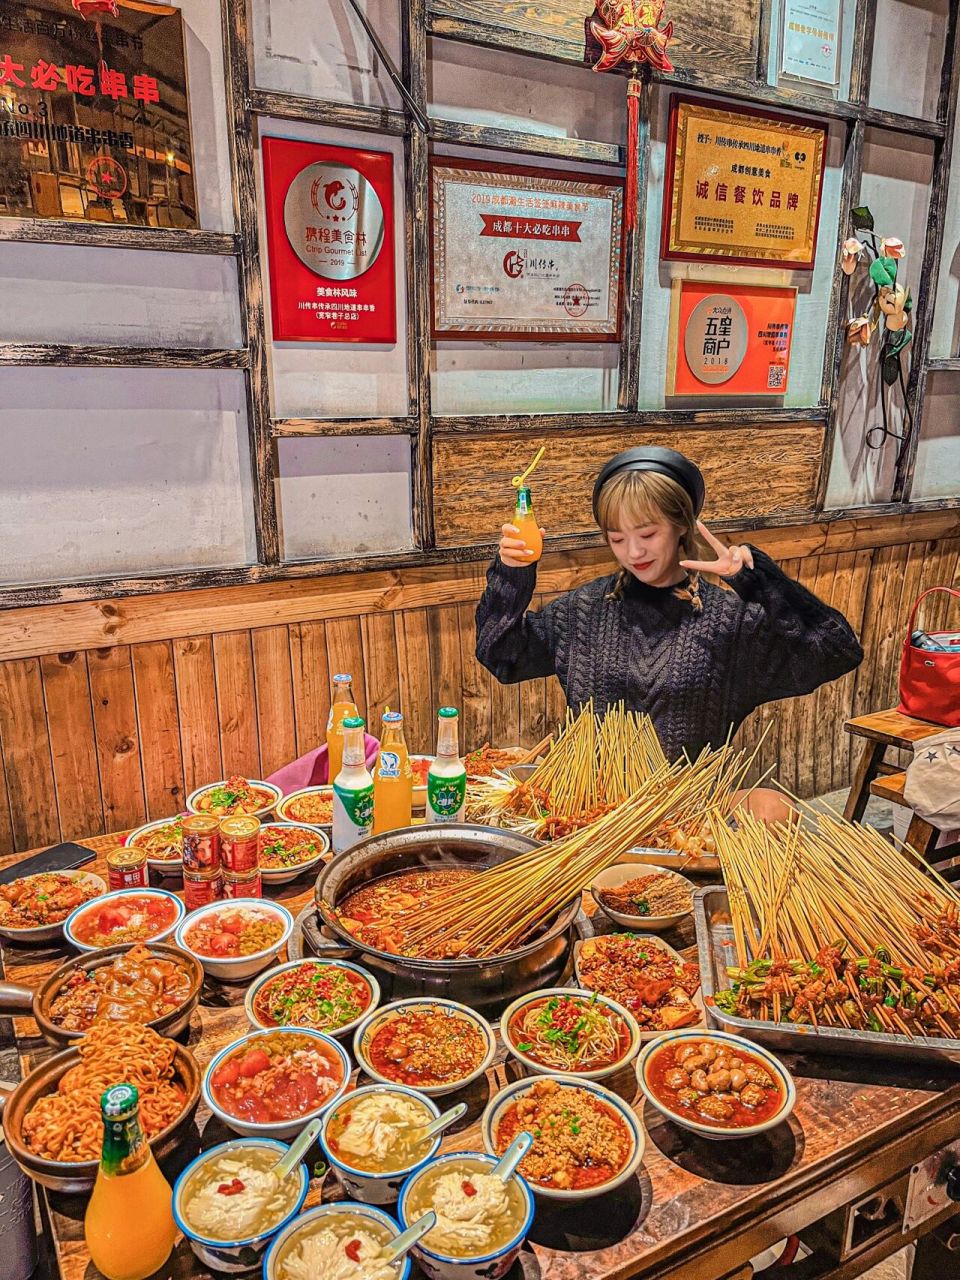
{"points": [[930, 677]]}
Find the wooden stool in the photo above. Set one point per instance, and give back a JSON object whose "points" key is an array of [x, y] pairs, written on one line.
{"points": [[881, 729], [921, 836]]}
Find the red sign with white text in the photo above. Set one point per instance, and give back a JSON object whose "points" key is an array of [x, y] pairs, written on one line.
{"points": [[330, 239]]}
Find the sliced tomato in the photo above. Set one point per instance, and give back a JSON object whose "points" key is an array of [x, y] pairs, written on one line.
{"points": [[223, 944], [253, 1063], [227, 1074]]}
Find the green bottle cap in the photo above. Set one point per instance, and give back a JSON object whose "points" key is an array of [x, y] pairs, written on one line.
{"points": [[353, 722], [448, 713], [525, 498], [118, 1100]]}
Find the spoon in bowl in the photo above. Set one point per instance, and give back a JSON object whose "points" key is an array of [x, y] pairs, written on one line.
{"points": [[395, 1250], [298, 1148], [506, 1166], [442, 1122]]}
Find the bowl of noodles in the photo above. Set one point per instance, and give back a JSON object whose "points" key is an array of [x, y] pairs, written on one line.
{"points": [[311, 805], [162, 842], [52, 1121], [289, 849], [333, 996], [233, 796], [371, 1138], [562, 1031], [229, 1202], [344, 1240], [482, 1222]]}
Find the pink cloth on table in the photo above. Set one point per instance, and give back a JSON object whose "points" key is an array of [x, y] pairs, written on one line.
{"points": [[311, 770]]}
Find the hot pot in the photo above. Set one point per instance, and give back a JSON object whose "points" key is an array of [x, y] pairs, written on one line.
{"points": [[488, 985]]}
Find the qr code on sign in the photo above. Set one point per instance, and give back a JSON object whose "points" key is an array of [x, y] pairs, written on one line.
{"points": [[776, 377]]}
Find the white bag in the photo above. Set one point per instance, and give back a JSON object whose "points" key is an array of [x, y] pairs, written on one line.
{"points": [[932, 788]]}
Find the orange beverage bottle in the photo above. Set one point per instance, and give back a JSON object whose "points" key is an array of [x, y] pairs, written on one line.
{"points": [[526, 522], [129, 1226], [392, 778], [342, 705]]}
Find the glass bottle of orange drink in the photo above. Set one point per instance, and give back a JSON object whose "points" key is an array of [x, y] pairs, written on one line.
{"points": [[342, 705], [526, 522], [392, 778], [129, 1226]]}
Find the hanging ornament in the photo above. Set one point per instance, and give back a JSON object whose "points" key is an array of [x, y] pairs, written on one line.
{"points": [[86, 7], [631, 32]]}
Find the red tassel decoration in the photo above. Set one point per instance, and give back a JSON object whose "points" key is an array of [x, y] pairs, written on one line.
{"points": [[633, 133]]}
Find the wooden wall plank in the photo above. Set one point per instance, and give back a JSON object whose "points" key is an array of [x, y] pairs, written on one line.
{"points": [[66, 694], [505, 714], [197, 700], [273, 678], [311, 684], [381, 669], [345, 653], [26, 755], [237, 704], [416, 698], [8, 843], [477, 681], [446, 667], [118, 741], [158, 722]]}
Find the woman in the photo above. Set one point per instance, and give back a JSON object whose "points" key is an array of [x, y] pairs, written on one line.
{"points": [[697, 658]]}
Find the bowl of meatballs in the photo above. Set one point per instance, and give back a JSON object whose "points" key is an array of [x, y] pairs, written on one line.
{"points": [[716, 1084]]}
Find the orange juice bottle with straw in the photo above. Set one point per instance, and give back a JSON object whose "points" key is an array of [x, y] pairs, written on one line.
{"points": [[524, 520]]}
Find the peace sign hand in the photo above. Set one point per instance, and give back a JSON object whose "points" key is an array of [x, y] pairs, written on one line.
{"points": [[729, 561]]}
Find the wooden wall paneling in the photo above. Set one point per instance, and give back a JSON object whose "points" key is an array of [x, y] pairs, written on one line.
{"points": [[446, 664], [158, 724], [69, 715], [311, 684], [8, 843], [345, 654], [476, 699], [118, 741], [237, 704], [381, 668], [273, 679], [197, 701], [26, 755], [799, 719], [533, 703], [851, 603], [833, 580], [413, 657], [505, 714]]}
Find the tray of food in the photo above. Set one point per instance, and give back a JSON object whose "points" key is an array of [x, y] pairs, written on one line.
{"points": [[723, 995]]}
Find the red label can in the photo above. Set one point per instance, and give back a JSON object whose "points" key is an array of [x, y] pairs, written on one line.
{"points": [[198, 890], [246, 886], [127, 869], [201, 843], [240, 844]]}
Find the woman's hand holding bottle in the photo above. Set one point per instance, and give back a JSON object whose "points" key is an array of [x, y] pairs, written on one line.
{"points": [[514, 551]]}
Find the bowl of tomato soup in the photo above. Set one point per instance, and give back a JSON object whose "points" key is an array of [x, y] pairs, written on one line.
{"points": [[433, 1046], [273, 1082], [128, 915], [236, 939]]}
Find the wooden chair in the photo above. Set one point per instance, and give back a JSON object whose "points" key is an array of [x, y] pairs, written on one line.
{"points": [[880, 730], [920, 834]]}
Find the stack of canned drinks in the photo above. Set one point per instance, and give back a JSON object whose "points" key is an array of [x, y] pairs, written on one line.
{"points": [[221, 859]]}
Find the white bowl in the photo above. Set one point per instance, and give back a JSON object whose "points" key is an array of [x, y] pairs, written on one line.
{"points": [[775, 1067], [360, 1184], [236, 968], [284, 805], [275, 792], [234, 1256], [308, 1219], [46, 932], [120, 895], [308, 963], [420, 793], [375, 1021], [485, 1266], [599, 1073], [165, 866], [490, 1120], [283, 875], [283, 1129], [619, 874]]}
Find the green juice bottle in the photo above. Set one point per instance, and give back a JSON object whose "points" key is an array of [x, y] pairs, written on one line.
{"points": [[447, 778]]}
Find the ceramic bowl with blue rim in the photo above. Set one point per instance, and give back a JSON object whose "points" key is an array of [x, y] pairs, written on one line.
{"points": [[217, 1078], [273, 831], [407, 1011], [362, 1184], [498, 1107], [687, 1117], [526, 1049], [338, 1222], [488, 1265], [223, 966], [256, 999], [246, 1253], [121, 910]]}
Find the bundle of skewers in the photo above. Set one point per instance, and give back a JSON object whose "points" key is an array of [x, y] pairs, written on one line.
{"points": [[836, 927]]}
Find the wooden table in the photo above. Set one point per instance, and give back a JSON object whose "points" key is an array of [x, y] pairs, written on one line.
{"points": [[698, 1210]]}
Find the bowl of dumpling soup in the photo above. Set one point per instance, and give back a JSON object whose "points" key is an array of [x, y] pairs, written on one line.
{"points": [[344, 1239], [371, 1140], [482, 1222], [229, 1203]]}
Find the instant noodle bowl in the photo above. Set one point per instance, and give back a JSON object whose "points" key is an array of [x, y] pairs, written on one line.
{"points": [[273, 1082], [569, 1032], [34, 908], [433, 1046], [586, 1140], [333, 996], [235, 795], [370, 1137], [335, 1242], [229, 1204], [482, 1222], [129, 915], [235, 939]]}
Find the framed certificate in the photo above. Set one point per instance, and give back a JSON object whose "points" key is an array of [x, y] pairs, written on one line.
{"points": [[810, 36]]}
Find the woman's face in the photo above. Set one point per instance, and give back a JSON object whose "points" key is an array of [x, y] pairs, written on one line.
{"points": [[651, 552]]}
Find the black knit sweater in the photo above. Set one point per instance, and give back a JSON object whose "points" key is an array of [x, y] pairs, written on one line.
{"points": [[695, 674]]}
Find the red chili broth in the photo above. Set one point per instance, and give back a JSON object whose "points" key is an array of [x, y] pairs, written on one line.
{"points": [[276, 1078], [106, 923], [743, 1117], [455, 1047]]}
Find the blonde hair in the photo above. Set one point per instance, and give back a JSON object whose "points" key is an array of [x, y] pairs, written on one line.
{"points": [[647, 497]]}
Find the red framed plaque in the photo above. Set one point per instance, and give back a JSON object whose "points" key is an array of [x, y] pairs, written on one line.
{"points": [[329, 214]]}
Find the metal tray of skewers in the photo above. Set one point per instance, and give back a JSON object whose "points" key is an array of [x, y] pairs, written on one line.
{"points": [[717, 950]]}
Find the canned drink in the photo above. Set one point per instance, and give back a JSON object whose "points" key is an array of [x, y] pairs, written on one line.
{"points": [[240, 844], [127, 869], [244, 886], [201, 843], [199, 889]]}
